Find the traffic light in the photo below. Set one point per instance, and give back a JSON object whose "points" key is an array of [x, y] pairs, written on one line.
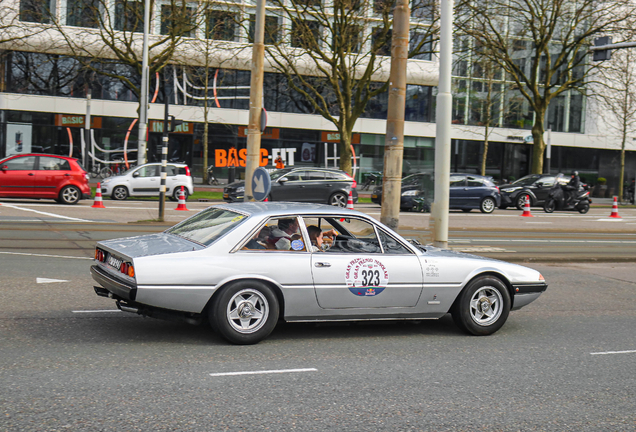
{"points": [[604, 54], [173, 123]]}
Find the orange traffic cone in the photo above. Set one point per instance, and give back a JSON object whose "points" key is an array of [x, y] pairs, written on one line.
{"points": [[526, 208], [614, 213], [98, 197], [266, 199], [182, 202], [350, 201]]}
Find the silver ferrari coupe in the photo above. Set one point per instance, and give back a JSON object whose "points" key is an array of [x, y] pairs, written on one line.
{"points": [[244, 266]]}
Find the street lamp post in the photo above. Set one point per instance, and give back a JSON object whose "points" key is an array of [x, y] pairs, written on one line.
{"points": [[143, 97], [439, 212]]}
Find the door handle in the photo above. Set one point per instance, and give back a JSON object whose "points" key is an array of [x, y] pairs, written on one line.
{"points": [[322, 264], [31, 174], [67, 175]]}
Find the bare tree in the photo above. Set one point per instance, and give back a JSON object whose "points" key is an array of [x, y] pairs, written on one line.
{"points": [[542, 45], [617, 99], [344, 44]]}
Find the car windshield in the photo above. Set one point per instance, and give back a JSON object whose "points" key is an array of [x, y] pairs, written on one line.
{"points": [[412, 180], [274, 175], [527, 180], [208, 226]]}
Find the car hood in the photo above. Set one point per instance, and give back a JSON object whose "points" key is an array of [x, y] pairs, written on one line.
{"points": [[236, 184], [151, 244]]}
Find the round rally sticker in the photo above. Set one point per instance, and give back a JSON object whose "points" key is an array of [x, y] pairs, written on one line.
{"points": [[366, 277], [297, 245]]}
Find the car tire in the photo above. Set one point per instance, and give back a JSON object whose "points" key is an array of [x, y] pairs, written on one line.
{"points": [[583, 208], [245, 312], [338, 199], [549, 206], [119, 193], [69, 195], [177, 191], [521, 201], [482, 307], [487, 205]]}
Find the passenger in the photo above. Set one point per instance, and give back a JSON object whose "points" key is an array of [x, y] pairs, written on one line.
{"points": [[259, 241], [281, 236], [316, 235]]}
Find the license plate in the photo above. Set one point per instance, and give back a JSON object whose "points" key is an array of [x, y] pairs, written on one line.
{"points": [[374, 196], [226, 195], [114, 262]]}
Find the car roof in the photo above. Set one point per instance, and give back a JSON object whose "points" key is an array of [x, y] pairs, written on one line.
{"points": [[42, 154], [284, 208]]}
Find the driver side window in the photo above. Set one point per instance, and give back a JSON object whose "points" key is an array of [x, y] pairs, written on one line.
{"points": [[354, 235]]}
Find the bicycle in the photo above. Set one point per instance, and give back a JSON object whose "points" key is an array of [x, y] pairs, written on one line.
{"points": [[371, 180], [628, 198], [97, 170]]}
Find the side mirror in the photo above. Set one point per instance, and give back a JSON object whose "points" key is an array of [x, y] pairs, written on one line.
{"points": [[136, 174], [4, 168], [539, 185], [283, 180]]}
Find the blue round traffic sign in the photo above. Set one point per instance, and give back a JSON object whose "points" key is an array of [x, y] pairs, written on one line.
{"points": [[261, 184]]}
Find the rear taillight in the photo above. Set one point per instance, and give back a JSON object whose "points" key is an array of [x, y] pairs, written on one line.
{"points": [[355, 184], [100, 255], [187, 171], [497, 188], [127, 269]]}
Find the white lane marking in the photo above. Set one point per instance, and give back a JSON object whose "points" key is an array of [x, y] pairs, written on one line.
{"points": [[96, 311], [45, 280], [610, 220], [46, 213], [45, 255], [539, 222], [263, 372], [614, 352]]}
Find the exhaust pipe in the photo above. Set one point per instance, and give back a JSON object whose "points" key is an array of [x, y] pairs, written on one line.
{"points": [[126, 308]]}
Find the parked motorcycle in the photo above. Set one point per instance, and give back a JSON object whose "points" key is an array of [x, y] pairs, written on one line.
{"points": [[557, 197], [212, 180]]}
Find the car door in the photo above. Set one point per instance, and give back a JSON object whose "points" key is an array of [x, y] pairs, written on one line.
{"points": [[146, 180], [457, 195], [17, 177], [313, 186], [51, 175], [287, 188], [542, 187], [357, 272], [475, 191]]}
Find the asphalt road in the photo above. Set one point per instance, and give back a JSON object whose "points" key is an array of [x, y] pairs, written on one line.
{"points": [[70, 361]]}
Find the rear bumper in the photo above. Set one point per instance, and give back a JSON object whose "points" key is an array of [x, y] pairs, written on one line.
{"points": [[119, 289]]}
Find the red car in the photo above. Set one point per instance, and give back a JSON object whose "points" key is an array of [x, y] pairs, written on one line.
{"points": [[44, 176]]}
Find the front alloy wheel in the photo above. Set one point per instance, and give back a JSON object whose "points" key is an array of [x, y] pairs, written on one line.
{"points": [[483, 306], [119, 193], [69, 195], [245, 313], [521, 201], [487, 205]]}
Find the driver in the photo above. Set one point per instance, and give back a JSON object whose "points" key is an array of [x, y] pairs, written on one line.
{"points": [[572, 187], [316, 235]]}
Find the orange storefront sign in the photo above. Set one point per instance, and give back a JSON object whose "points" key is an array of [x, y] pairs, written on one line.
{"points": [[76, 121], [236, 158], [270, 133], [334, 137]]}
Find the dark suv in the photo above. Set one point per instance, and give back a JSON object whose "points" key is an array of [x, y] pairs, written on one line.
{"points": [[467, 192], [533, 186], [319, 185]]}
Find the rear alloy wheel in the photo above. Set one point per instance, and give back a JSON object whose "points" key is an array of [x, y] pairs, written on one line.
{"points": [[487, 205], [549, 206], [338, 199], [69, 195], [521, 201], [483, 306], [245, 312], [177, 191], [119, 193]]}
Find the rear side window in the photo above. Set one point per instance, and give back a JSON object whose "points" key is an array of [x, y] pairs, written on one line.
{"points": [[457, 181], [54, 164], [475, 182], [20, 164], [335, 176], [171, 170], [181, 171], [314, 175]]}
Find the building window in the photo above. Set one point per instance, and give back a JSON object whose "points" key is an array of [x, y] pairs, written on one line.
{"points": [[83, 13], [129, 16], [220, 25], [420, 46], [177, 20], [38, 11], [383, 44], [271, 29]]}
